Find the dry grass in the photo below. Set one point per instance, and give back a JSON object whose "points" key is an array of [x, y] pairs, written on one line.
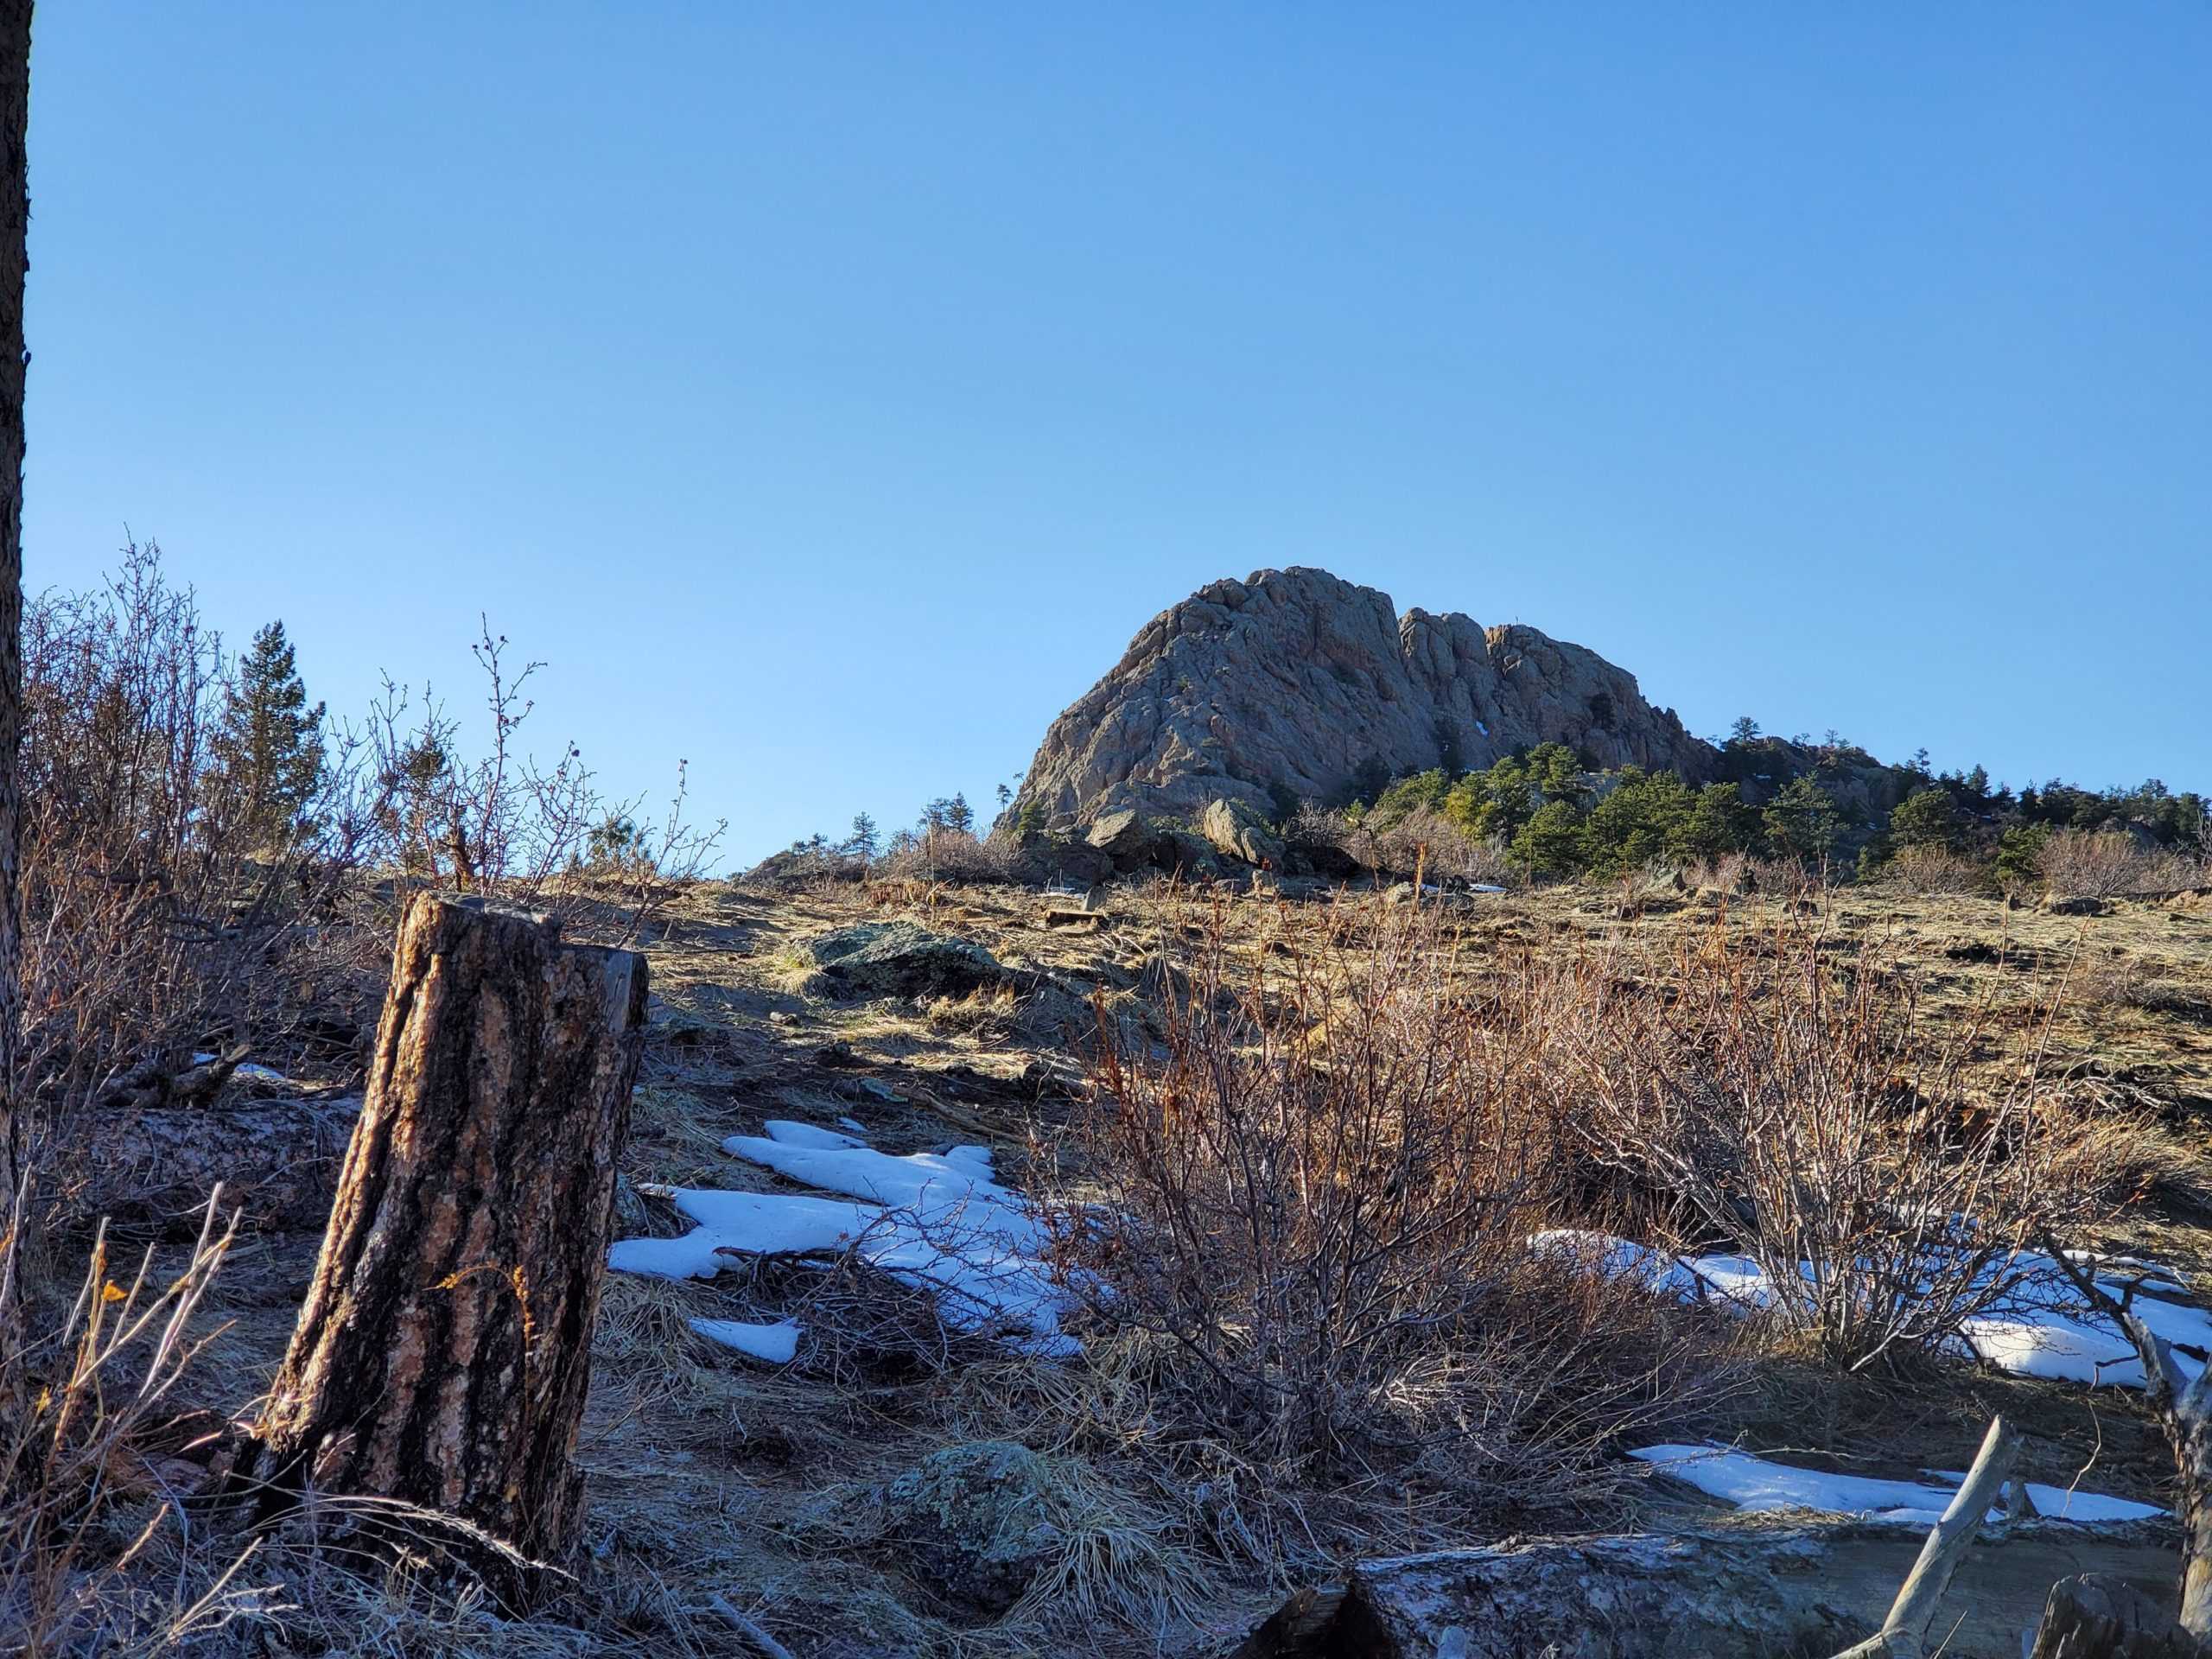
{"points": [[711, 1476]]}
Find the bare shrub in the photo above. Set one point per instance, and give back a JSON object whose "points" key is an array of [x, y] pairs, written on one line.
{"points": [[1785, 1101], [1425, 839], [1927, 869], [1731, 873], [156, 920], [1317, 1204], [1316, 825], [953, 856], [2110, 864], [503, 823]]}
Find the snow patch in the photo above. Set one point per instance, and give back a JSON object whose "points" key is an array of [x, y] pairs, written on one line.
{"points": [[937, 1221], [775, 1344], [2042, 1328], [1753, 1483], [789, 1134]]}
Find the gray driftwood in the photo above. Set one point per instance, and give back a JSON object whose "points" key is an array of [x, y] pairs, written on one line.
{"points": [[1904, 1634], [1734, 1591]]}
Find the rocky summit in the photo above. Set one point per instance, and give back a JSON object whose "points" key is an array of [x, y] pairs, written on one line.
{"points": [[1297, 684]]}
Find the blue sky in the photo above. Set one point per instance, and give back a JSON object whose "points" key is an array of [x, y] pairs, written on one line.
{"points": [[828, 392]]}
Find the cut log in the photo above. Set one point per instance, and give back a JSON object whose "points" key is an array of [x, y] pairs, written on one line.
{"points": [[2097, 1618], [1744, 1592], [443, 1353], [277, 1162]]}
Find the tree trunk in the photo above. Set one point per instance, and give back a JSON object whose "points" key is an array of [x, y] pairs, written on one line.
{"points": [[443, 1353], [14, 263], [2094, 1617]]}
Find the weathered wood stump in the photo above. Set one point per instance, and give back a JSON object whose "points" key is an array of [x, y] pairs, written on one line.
{"points": [[1742, 1591], [2094, 1617], [443, 1352]]}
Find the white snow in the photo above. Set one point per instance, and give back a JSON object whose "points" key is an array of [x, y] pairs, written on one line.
{"points": [[936, 1221], [851, 1123], [741, 1223], [806, 1135], [2042, 1328], [1752, 1483], [775, 1344]]}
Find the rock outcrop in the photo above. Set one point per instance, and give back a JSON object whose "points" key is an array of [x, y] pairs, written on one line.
{"points": [[1295, 684]]}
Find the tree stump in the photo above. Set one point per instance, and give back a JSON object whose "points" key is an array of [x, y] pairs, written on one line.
{"points": [[443, 1355], [2094, 1617]]}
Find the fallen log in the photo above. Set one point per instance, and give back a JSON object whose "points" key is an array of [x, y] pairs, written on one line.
{"points": [[1741, 1592], [277, 1162], [2097, 1617]]}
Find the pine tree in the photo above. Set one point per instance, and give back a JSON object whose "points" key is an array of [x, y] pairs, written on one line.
{"points": [[1927, 819], [1554, 841], [268, 743], [862, 842], [1719, 822], [1802, 821]]}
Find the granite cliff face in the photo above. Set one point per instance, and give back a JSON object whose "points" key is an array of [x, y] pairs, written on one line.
{"points": [[1295, 683]]}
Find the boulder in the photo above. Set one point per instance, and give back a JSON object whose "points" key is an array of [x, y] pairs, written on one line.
{"points": [[1121, 835], [1324, 859], [1238, 830], [976, 1522], [1297, 684], [899, 959]]}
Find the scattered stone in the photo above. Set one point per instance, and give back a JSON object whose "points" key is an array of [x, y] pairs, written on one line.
{"points": [[976, 1522]]}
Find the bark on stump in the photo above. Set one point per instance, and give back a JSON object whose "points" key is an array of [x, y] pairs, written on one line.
{"points": [[443, 1352]]}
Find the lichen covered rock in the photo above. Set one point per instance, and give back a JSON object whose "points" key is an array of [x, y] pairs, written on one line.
{"points": [[977, 1522], [899, 959]]}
